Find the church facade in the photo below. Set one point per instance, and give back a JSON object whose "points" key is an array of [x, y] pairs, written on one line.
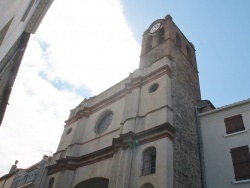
{"points": [[150, 130], [141, 132]]}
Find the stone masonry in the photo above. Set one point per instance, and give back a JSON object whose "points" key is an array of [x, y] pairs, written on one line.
{"points": [[185, 96]]}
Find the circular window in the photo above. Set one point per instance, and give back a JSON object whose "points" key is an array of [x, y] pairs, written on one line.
{"points": [[104, 122], [69, 130], [153, 88]]}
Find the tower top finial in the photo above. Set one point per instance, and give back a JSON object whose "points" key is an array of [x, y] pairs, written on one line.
{"points": [[168, 17]]}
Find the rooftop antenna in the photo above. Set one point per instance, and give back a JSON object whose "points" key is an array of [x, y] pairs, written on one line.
{"points": [[50, 152]]}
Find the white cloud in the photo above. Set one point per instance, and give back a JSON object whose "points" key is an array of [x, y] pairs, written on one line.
{"points": [[88, 43], [85, 44]]}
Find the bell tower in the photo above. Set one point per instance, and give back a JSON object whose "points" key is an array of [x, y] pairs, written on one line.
{"points": [[164, 41], [163, 38]]}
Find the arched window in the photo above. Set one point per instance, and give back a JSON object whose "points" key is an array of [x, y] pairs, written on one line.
{"points": [[148, 43], [160, 36], [104, 122], [147, 185], [178, 40], [94, 183], [189, 53], [149, 161], [51, 182]]}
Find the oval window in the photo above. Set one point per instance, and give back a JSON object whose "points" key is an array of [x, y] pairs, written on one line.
{"points": [[69, 130], [153, 88]]}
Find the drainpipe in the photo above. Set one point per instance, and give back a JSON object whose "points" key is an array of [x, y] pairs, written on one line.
{"points": [[199, 143]]}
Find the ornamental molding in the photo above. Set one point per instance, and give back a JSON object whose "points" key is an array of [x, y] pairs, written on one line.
{"points": [[125, 141], [133, 83]]}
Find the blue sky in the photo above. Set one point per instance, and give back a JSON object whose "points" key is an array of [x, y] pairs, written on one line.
{"points": [[220, 32], [84, 47]]}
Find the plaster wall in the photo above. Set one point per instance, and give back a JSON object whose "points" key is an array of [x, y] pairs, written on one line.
{"points": [[84, 132], [89, 131], [15, 10], [163, 176], [151, 108], [152, 103], [67, 138], [130, 111], [217, 144], [99, 169], [105, 94]]}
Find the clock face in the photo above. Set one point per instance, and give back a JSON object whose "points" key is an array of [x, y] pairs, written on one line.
{"points": [[155, 27]]}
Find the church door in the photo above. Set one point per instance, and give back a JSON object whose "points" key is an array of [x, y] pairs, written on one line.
{"points": [[93, 183]]}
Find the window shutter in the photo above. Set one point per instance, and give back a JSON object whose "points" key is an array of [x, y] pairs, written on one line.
{"points": [[241, 162], [234, 124]]}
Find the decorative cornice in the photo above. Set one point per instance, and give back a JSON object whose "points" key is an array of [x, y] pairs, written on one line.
{"points": [[38, 15], [125, 141], [95, 138], [136, 82], [142, 116], [87, 111]]}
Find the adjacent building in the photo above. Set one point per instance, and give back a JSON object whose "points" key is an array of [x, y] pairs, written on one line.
{"points": [[226, 142], [26, 178], [19, 19]]}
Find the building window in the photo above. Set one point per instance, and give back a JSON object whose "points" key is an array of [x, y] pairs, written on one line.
{"points": [[241, 162], [148, 44], [51, 182], [94, 183], [160, 36], [149, 161], [189, 53], [104, 122], [234, 124], [69, 131], [178, 40], [153, 88]]}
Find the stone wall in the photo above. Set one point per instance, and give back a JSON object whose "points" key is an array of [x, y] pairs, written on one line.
{"points": [[185, 95]]}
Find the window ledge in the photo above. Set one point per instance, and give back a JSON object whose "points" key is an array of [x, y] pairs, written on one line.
{"points": [[142, 175], [241, 181], [232, 134]]}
